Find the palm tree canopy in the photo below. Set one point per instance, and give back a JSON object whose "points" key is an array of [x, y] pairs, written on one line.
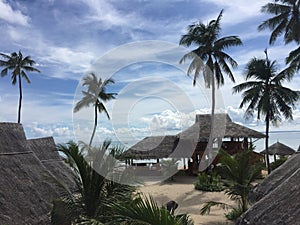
{"points": [[210, 49], [18, 65], [264, 92], [286, 20], [294, 59], [96, 93]]}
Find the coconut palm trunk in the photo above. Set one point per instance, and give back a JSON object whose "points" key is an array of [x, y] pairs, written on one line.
{"points": [[20, 99], [95, 126], [267, 143], [213, 108]]}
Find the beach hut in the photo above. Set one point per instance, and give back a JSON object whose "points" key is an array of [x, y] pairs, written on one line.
{"points": [[279, 149], [191, 143], [26, 187], [276, 200]]}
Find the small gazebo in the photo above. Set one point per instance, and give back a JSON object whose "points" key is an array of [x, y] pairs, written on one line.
{"points": [[279, 149]]}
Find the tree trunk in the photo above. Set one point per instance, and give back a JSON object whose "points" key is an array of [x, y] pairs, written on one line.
{"points": [[20, 99], [244, 202], [267, 143], [213, 106], [95, 126]]}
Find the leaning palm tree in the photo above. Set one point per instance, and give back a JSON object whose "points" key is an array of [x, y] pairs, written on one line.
{"points": [[95, 95], [18, 65], [264, 93], [209, 58], [286, 20]]}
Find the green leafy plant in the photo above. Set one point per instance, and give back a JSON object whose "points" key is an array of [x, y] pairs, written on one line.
{"points": [[144, 210], [209, 182], [239, 173], [95, 192]]}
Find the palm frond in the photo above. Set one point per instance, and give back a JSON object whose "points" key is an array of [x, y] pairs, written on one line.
{"points": [[207, 206]]}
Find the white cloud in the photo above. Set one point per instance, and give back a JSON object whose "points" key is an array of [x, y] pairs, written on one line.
{"points": [[106, 13], [237, 11], [12, 16]]}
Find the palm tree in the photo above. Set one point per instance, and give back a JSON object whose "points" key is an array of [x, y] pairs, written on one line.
{"points": [[95, 95], [209, 56], [95, 192], [18, 66], [238, 173], [286, 20], [265, 94]]}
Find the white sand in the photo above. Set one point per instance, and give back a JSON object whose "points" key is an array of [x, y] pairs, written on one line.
{"points": [[189, 200]]}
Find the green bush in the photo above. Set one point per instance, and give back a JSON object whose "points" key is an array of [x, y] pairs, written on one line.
{"points": [[209, 182], [234, 214]]}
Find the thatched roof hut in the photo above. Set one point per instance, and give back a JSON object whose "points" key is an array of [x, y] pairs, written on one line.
{"points": [[158, 147], [277, 197], [184, 143], [26, 187], [279, 149]]}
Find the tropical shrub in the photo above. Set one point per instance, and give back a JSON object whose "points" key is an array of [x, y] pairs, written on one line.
{"points": [[239, 173], [209, 182], [144, 210], [95, 192]]}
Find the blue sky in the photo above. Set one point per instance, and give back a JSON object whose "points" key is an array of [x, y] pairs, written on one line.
{"points": [[69, 38]]}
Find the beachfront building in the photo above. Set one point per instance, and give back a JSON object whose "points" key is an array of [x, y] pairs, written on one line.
{"points": [[191, 144]]}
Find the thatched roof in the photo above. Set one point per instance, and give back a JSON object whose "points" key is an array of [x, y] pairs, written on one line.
{"points": [[26, 186], [159, 147], [279, 149], [277, 197], [183, 144], [45, 150], [12, 137], [224, 127]]}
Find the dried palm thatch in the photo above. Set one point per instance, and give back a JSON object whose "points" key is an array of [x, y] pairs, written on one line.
{"points": [[277, 197], [279, 149], [12, 137], [45, 150], [152, 148], [26, 185], [183, 144], [223, 127]]}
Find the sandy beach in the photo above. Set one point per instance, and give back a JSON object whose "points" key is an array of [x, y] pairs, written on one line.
{"points": [[189, 200]]}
